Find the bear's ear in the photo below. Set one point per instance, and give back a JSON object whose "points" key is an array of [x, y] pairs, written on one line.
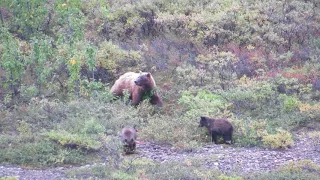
{"points": [[203, 117], [149, 74]]}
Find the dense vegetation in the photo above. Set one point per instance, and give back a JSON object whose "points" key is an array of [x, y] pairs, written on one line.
{"points": [[254, 62]]}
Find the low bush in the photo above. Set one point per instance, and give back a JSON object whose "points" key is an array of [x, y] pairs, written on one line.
{"points": [[225, 177], [281, 140], [259, 100], [248, 132], [290, 103], [182, 132], [181, 128], [303, 169], [311, 110], [191, 168], [9, 178], [40, 153], [47, 133], [315, 140], [301, 165], [142, 168], [248, 110], [82, 141]]}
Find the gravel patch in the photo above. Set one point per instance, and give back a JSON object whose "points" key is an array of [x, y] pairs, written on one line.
{"points": [[237, 159], [34, 174], [223, 157]]}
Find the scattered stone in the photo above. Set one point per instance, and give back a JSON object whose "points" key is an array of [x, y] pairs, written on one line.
{"points": [[227, 159]]}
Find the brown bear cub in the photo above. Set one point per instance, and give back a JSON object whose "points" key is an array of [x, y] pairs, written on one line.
{"points": [[218, 127], [128, 138], [139, 86]]}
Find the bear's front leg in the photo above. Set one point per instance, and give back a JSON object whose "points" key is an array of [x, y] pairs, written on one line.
{"points": [[214, 138], [136, 98], [156, 100]]}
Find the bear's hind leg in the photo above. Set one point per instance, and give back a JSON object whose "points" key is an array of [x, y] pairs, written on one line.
{"points": [[227, 138]]}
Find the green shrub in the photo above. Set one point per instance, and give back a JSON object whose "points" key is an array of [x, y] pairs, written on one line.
{"points": [[288, 83], [224, 177], [181, 132], [315, 139], [301, 165], [9, 178], [248, 132], [142, 168], [42, 153], [281, 175], [181, 128], [188, 76], [202, 103], [27, 93], [111, 57], [83, 141], [251, 96], [259, 100], [12, 62], [76, 115], [68, 125], [290, 103], [310, 110], [88, 88], [40, 59], [303, 169], [282, 139]]}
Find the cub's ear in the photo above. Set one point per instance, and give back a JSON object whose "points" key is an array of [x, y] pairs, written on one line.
{"points": [[202, 117], [149, 74], [135, 128]]}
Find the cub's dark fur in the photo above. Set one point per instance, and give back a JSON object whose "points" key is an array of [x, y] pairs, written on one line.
{"points": [[128, 137], [218, 127]]}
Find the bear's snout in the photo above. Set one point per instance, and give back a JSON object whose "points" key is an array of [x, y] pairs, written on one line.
{"points": [[137, 82]]}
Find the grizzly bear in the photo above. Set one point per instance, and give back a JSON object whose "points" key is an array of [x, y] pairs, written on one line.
{"points": [[139, 85], [218, 127], [128, 138]]}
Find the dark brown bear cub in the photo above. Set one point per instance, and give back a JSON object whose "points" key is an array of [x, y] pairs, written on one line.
{"points": [[218, 127], [128, 138]]}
